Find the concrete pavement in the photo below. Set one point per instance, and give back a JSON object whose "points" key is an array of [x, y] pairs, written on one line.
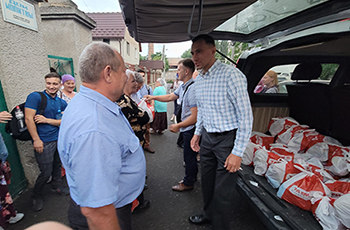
{"points": [[169, 210]]}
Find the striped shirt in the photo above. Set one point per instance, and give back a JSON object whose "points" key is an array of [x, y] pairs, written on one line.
{"points": [[223, 104]]}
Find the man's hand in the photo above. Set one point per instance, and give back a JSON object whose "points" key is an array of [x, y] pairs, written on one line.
{"points": [[174, 128], [233, 163], [38, 146], [40, 119], [195, 143], [148, 98], [5, 116]]}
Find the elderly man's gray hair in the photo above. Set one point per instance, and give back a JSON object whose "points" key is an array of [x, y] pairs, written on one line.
{"points": [[139, 78], [94, 58]]}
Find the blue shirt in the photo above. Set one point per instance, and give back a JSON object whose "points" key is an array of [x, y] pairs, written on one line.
{"points": [[188, 101], [223, 104], [54, 107], [104, 161], [159, 106], [144, 91]]}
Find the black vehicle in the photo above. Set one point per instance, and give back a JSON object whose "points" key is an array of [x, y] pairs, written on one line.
{"points": [[308, 33]]}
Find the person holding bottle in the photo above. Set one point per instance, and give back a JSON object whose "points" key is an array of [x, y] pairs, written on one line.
{"points": [[44, 132], [7, 213]]}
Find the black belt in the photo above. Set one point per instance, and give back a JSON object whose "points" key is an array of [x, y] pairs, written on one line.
{"points": [[222, 133]]}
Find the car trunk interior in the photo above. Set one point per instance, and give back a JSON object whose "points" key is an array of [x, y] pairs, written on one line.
{"points": [[325, 108]]}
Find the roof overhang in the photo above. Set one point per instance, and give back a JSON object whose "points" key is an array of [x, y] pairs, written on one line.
{"points": [[155, 21], [164, 21]]}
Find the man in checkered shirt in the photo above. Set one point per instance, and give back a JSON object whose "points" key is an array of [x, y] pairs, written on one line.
{"points": [[224, 124]]}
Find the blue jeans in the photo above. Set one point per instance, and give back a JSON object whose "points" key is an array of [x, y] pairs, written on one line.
{"points": [[190, 158]]}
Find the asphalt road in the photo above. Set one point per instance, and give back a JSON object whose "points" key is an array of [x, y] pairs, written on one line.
{"points": [[169, 210]]}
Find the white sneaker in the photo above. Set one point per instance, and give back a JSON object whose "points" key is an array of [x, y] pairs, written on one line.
{"points": [[16, 218]]}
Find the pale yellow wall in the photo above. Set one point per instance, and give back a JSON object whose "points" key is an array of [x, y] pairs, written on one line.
{"points": [[133, 57]]}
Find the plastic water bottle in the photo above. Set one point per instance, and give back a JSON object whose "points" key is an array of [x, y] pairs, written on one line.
{"points": [[20, 119]]}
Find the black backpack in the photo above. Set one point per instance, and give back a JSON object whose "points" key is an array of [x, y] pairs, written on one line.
{"points": [[12, 126]]}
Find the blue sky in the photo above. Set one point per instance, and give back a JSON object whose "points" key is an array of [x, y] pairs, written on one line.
{"points": [[171, 49]]}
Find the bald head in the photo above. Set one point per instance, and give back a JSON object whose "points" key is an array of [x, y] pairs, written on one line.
{"points": [[94, 58]]}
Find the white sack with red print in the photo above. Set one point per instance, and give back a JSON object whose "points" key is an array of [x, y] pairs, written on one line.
{"points": [[249, 153], [280, 172], [263, 159], [342, 209], [339, 187], [279, 124], [302, 141], [325, 213], [322, 150], [301, 188], [262, 139], [338, 160], [286, 136]]}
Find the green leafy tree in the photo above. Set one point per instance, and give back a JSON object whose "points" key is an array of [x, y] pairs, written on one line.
{"points": [[223, 47], [143, 57], [187, 54], [328, 71]]}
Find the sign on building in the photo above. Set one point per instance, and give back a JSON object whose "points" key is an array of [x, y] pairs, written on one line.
{"points": [[20, 13]]}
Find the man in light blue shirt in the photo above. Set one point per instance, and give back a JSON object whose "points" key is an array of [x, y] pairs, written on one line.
{"points": [[224, 124], [185, 93], [104, 162]]}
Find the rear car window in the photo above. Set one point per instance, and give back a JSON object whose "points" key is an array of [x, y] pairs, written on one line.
{"points": [[284, 77]]}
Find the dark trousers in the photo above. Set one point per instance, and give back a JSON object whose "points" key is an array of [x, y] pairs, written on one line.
{"points": [[190, 159], [77, 221], [218, 185], [50, 165]]}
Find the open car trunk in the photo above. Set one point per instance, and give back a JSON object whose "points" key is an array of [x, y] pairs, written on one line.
{"points": [[291, 32]]}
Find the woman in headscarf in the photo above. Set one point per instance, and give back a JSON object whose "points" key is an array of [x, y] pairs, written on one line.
{"points": [[67, 92]]}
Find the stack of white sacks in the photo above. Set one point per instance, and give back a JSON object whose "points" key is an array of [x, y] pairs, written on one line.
{"points": [[309, 170]]}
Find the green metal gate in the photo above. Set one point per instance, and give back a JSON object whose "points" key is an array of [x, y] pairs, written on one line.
{"points": [[62, 65], [18, 180]]}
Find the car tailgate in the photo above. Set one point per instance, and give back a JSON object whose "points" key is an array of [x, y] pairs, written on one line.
{"points": [[273, 211]]}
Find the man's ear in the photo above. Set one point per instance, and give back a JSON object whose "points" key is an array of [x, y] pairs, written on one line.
{"points": [[213, 50], [106, 72]]}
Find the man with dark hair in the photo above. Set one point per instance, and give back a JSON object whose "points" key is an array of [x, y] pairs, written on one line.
{"points": [[224, 124], [103, 158], [145, 90], [43, 129], [188, 110]]}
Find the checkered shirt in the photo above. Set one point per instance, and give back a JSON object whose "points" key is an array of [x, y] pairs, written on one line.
{"points": [[223, 104]]}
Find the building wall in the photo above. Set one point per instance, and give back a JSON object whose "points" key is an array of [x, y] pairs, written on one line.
{"points": [[121, 47], [133, 56], [24, 61], [66, 31], [23, 65], [115, 43]]}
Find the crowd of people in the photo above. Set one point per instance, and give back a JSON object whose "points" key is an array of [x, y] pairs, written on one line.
{"points": [[100, 138]]}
